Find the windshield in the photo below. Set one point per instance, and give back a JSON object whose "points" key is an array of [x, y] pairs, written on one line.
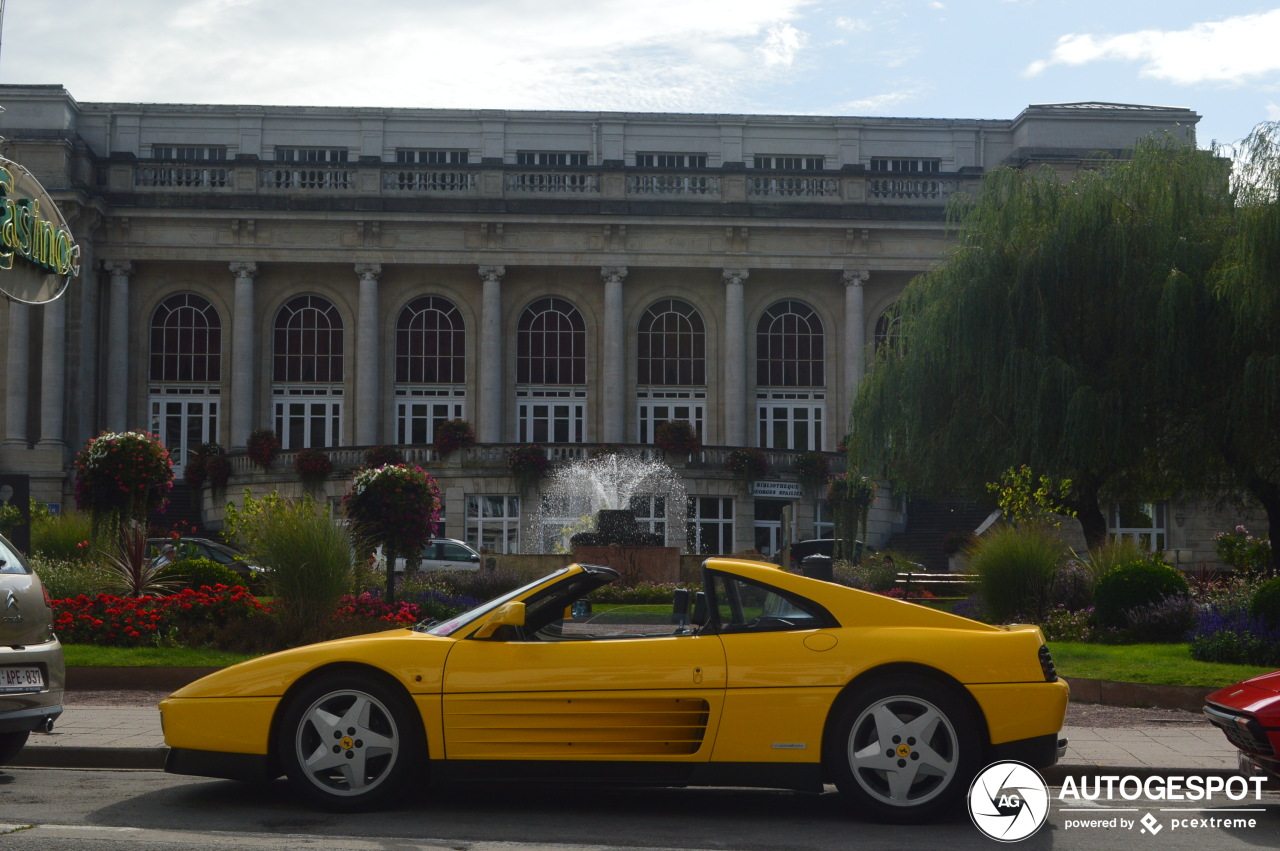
{"points": [[455, 623]]}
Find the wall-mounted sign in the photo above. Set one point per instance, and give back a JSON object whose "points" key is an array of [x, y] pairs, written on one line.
{"points": [[777, 490], [38, 254]]}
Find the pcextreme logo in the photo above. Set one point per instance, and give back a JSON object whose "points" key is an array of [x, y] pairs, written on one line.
{"points": [[1009, 801]]}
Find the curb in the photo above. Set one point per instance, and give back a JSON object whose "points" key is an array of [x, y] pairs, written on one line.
{"points": [[133, 677], [1113, 693], [35, 756]]}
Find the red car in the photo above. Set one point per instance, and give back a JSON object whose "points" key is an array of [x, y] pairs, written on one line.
{"points": [[1249, 713]]}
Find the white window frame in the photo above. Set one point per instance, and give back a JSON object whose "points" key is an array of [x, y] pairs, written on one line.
{"points": [[697, 526], [161, 397], [658, 406], [574, 418], [768, 405], [323, 402], [788, 162], [477, 523], [1153, 538], [678, 161], [425, 407], [432, 156]]}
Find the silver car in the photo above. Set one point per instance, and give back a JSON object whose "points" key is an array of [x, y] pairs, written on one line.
{"points": [[31, 667]]}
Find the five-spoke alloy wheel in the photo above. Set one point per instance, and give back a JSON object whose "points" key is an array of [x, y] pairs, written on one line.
{"points": [[903, 749], [350, 741]]}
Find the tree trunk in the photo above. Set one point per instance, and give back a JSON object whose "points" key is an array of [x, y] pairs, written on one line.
{"points": [[1092, 520], [1268, 494]]}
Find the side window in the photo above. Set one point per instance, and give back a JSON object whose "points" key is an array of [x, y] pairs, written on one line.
{"points": [[431, 552], [453, 552], [742, 606]]}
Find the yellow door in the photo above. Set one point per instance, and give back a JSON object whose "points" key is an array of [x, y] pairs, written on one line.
{"points": [[617, 698]]}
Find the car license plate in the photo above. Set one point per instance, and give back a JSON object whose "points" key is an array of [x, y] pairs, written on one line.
{"points": [[28, 678]]}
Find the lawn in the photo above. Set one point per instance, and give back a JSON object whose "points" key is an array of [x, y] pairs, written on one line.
{"points": [[1164, 664], [91, 656]]}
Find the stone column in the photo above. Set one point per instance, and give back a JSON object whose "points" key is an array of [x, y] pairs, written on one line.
{"points": [[117, 345], [855, 339], [614, 388], [734, 394], [491, 375], [53, 375], [17, 376], [368, 403], [243, 340]]}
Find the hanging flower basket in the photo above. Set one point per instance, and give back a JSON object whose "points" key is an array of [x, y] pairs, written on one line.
{"points": [[813, 469], [528, 464], [677, 437], [196, 472], [454, 434], [750, 463], [312, 465], [263, 446], [381, 456], [219, 471], [397, 506], [125, 475]]}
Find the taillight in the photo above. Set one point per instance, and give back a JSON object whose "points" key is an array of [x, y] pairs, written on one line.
{"points": [[1046, 665]]}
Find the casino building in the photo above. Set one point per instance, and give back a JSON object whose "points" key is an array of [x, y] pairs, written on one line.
{"points": [[354, 276]]}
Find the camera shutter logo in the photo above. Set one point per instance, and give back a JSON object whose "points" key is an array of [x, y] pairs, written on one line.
{"points": [[1008, 801]]}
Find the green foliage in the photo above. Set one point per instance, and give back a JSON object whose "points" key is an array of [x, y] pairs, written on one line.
{"points": [[308, 559], [1246, 553], [1112, 554], [65, 578], [873, 572], [129, 564], [850, 496], [196, 572], [1035, 342], [1266, 603], [1130, 586], [1023, 500], [1016, 567], [67, 536]]}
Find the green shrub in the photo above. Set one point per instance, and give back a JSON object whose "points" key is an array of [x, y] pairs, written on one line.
{"points": [[307, 556], [1016, 568], [66, 578], [1116, 552], [66, 537], [1266, 603], [1134, 585], [198, 572], [874, 572]]}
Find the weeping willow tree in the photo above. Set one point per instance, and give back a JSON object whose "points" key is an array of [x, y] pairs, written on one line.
{"points": [[1050, 335]]}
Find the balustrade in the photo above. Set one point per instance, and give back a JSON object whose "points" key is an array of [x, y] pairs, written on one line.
{"points": [[794, 187], [673, 184], [429, 181], [180, 177], [540, 181], [306, 178]]}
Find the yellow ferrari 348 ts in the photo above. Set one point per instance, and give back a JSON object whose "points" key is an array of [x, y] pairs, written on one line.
{"points": [[764, 678]]}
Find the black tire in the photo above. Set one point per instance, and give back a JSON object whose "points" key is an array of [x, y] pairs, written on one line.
{"points": [[904, 749], [351, 741], [10, 744]]}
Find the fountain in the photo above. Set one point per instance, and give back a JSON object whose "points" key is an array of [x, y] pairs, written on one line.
{"points": [[616, 510]]}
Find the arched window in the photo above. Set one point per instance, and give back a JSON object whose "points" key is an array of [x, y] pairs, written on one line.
{"points": [[671, 347], [308, 341], [790, 378], [551, 373], [185, 373], [888, 335], [671, 367], [186, 340], [551, 344], [307, 354], [431, 343], [789, 347], [431, 368]]}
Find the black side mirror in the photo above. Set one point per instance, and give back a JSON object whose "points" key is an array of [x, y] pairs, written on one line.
{"points": [[700, 608], [680, 607]]}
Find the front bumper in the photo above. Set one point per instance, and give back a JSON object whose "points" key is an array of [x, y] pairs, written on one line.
{"points": [[1037, 751]]}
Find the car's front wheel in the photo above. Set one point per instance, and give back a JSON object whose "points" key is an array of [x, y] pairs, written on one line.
{"points": [[10, 744], [903, 749], [351, 741]]}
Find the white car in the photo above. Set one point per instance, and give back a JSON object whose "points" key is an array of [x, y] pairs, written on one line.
{"points": [[439, 554]]}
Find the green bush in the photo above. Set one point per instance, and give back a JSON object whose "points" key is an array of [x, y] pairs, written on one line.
{"points": [[197, 572], [1116, 552], [66, 537], [66, 578], [1134, 585], [307, 556], [1266, 603], [1016, 566], [874, 572]]}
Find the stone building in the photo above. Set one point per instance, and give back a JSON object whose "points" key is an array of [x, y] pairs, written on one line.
{"points": [[355, 276]]}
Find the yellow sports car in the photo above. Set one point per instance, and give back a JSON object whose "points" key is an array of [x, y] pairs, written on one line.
{"points": [[764, 678]]}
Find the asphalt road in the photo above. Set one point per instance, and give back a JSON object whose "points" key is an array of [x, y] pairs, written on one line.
{"points": [[107, 810]]}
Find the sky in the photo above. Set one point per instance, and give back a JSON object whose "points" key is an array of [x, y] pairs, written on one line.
{"points": [[906, 58]]}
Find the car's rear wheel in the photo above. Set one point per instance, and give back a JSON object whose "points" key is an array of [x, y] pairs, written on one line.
{"points": [[903, 749], [351, 741], [10, 744]]}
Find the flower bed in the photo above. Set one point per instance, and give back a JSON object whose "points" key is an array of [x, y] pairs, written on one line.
{"points": [[190, 617]]}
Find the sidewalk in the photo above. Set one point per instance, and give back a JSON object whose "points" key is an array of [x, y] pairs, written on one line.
{"points": [[88, 736]]}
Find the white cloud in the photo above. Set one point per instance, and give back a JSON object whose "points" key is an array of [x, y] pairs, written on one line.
{"points": [[878, 104], [1229, 51], [853, 25], [687, 55], [1273, 112]]}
